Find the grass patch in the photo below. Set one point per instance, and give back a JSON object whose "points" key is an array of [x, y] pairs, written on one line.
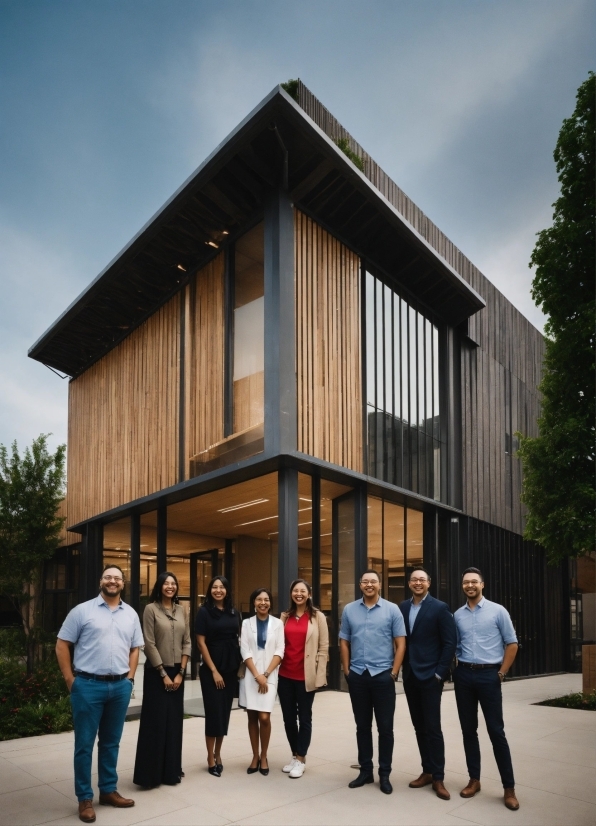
{"points": [[587, 702]]}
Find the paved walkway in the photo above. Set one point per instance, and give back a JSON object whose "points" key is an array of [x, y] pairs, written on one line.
{"points": [[554, 756]]}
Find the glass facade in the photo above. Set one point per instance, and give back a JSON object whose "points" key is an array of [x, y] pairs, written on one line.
{"points": [[395, 544], [403, 412]]}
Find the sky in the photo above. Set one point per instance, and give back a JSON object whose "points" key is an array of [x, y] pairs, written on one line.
{"points": [[106, 107]]}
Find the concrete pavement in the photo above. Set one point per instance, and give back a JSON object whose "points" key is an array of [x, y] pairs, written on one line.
{"points": [[554, 757]]}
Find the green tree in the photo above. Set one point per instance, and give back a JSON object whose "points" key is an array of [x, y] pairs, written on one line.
{"points": [[558, 487], [31, 488]]}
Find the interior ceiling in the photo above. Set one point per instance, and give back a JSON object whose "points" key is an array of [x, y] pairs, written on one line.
{"points": [[217, 202]]}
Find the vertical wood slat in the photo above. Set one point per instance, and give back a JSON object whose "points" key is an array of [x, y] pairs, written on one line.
{"points": [[123, 420], [328, 346]]}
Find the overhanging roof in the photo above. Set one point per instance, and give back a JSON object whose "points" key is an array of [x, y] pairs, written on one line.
{"points": [[222, 195]]}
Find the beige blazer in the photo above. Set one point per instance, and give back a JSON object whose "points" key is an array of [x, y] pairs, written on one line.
{"points": [[316, 651]]}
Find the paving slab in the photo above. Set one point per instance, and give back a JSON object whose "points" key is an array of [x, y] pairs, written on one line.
{"points": [[554, 755]]}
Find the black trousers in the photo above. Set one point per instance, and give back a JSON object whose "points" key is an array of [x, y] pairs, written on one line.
{"points": [[159, 747], [373, 695], [424, 702], [296, 707], [482, 686]]}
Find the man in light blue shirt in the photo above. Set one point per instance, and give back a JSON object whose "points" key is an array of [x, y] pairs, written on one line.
{"points": [[106, 635], [486, 649], [372, 642]]}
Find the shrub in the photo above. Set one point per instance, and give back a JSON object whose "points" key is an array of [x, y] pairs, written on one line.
{"points": [[38, 704], [579, 701]]}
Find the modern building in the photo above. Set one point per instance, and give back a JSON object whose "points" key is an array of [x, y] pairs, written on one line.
{"points": [[290, 371]]}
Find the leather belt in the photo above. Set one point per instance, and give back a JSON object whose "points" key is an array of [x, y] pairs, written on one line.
{"points": [[479, 665], [104, 678]]}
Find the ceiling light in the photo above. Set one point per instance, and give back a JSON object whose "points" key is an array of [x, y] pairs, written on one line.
{"points": [[243, 505], [254, 521], [224, 232], [212, 244], [180, 267], [305, 499]]}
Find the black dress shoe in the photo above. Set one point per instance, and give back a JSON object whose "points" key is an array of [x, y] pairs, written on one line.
{"points": [[362, 779], [251, 770], [213, 770], [384, 784]]}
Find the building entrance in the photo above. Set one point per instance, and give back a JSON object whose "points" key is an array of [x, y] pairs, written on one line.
{"points": [[203, 567]]}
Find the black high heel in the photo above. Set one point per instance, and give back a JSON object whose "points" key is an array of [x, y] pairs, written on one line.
{"points": [[264, 772], [218, 766], [257, 768], [213, 770]]}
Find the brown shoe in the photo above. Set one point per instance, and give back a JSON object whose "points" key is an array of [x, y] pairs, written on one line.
{"points": [[471, 789], [441, 791], [423, 780], [115, 799], [86, 811], [511, 800]]}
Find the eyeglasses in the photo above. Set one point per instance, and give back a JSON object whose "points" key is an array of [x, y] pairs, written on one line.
{"points": [[418, 579], [113, 578], [369, 582], [471, 582]]}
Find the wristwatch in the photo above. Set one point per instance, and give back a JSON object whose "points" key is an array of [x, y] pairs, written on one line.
{"points": [[394, 676], [265, 673], [132, 679]]}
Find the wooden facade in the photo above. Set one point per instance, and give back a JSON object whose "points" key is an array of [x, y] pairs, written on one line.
{"points": [[328, 346]]}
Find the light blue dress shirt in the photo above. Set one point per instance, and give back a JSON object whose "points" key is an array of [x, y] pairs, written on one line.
{"points": [[370, 632], [414, 611], [483, 633], [102, 636]]}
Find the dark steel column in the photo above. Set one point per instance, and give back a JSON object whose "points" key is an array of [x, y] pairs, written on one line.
{"points": [[360, 536], [91, 561], [280, 356], [287, 481], [316, 540], [162, 539], [135, 562]]}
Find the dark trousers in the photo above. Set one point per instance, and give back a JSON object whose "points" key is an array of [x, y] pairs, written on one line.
{"points": [[424, 702], [373, 695], [159, 745], [296, 707], [473, 686]]}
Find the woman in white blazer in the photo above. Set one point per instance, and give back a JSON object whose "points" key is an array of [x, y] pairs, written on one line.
{"points": [[262, 650]]}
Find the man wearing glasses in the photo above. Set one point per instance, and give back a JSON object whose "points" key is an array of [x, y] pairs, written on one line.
{"points": [[486, 649], [106, 635], [372, 642], [430, 648]]}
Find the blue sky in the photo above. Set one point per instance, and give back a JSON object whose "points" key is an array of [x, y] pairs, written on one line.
{"points": [[106, 107]]}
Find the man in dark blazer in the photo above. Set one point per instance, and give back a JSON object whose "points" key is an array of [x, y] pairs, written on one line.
{"points": [[430, 647]]}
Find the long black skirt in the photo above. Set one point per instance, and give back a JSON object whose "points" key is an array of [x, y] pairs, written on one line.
{"points": [[217, 701], [159, 747]]}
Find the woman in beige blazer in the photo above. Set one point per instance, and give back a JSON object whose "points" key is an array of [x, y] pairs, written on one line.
{"points": [[303, 670]]}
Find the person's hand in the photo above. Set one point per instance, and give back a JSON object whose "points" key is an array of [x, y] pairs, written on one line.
{"points": [[69, 681], [262, 683], [177, 681], [218, 679], [168, 684], [346, 674]]}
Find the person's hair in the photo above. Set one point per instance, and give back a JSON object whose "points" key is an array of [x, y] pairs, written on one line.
{"points": [[157, 593], [476, 571], [107, 568], [418, 568], [228, 605], [370, 571], [255, 594], [291, 612]]}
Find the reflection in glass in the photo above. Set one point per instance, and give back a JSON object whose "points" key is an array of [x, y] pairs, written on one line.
{"points": [[116, 546], [394, 544]]}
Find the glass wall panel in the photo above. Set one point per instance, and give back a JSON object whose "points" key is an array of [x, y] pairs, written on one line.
{"points": [[414, 538], [394, 544], [116, 547], [305, 529], [402, 395], [249, 330]]}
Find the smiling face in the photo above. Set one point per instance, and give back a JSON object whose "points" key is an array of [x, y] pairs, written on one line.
{"points": [[262, 604], [111, 582], [473, 587], [419, 584], [370, 585], [300, 594], [218, 592], [169, 588]]}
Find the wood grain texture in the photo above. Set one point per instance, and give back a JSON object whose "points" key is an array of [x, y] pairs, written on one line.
{"points": [[328, 349], [123, 420]]}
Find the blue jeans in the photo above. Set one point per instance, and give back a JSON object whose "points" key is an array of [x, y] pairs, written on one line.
{"points": [[482, 686], [98, 708], [373, 695]]}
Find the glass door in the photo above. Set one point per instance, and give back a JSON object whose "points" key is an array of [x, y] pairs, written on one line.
{"points": [[203, 567]]}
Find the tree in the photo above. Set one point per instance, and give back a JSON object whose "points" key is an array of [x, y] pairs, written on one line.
{"points": [[31, 488], [558, 487]]}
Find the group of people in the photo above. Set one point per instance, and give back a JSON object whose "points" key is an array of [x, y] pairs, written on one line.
{"points": [[263, 657]]}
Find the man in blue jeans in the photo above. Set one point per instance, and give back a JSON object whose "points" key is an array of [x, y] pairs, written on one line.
{"points": [[372, 643], [486, 649], [106, 635]]}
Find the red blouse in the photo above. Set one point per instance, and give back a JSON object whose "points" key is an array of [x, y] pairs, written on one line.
{"points": [[292, 665]]}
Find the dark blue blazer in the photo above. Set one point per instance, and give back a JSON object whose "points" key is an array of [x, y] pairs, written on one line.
{"points": [[430, 647]]}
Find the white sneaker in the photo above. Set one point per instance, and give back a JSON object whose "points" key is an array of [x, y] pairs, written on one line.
{"points": [[287, 769], [298, 770]]}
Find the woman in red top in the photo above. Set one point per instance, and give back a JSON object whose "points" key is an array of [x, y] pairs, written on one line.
{"points": [[302, 671]]}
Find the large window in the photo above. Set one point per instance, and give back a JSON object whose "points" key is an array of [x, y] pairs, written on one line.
{"points": [[402, 395], [394, 545]]}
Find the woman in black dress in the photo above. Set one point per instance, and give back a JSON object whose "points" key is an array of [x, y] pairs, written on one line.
{"points": [[217, 626], [167, 647]]}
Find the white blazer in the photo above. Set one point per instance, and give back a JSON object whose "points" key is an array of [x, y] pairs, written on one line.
{"points": [[275, 643]]}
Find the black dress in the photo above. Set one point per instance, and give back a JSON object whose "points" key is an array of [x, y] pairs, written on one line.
{"points": [[159, 747], [220, 629]]}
